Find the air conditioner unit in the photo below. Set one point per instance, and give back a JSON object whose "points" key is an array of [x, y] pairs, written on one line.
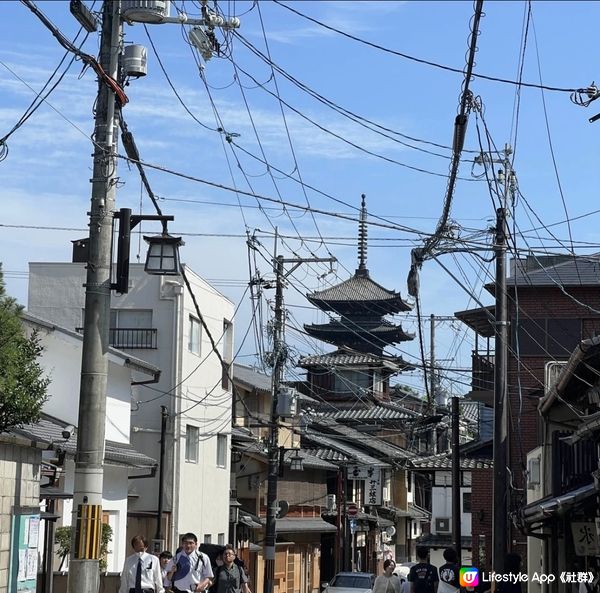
{"points": [[533, 473], [552, 372], [442, 525], [385, 538]]}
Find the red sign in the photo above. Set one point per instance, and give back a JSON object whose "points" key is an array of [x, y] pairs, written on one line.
{"points": [[351, 509]]}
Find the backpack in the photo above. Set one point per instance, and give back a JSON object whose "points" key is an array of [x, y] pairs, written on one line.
{"points": [[215, 584]]}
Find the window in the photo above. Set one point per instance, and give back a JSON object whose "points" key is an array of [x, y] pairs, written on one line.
{"points": [[543, 337], [192, 434], [132, 328], [227, 353], [194, 336], [466, 500], [221, 450], [221, 539], [207, 538]]}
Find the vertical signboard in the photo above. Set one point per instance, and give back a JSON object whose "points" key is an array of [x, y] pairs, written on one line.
{"points": [[24, 550]]}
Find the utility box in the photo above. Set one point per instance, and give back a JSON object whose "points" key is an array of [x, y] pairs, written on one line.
{"points": [[145, 11], [287, 400]]}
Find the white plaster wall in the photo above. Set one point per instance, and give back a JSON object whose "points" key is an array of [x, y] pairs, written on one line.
{"points": [[204, 491], [190, 386], [441, 506], [61, 360]]}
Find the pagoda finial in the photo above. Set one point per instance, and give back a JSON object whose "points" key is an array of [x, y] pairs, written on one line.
{"points": [[362, 239]]}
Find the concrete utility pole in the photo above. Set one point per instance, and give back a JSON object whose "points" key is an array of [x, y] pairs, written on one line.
{"points": [[501, 530], [279, 357], [87, 489]]}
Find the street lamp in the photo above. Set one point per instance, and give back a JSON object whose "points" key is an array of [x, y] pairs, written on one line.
{"points": [[163, 255]]}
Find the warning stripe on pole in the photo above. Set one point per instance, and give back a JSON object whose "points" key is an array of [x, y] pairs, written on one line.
{"points": [[89, 529]]}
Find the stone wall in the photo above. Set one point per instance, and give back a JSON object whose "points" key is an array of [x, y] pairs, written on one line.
{"points": [[19, 487]]}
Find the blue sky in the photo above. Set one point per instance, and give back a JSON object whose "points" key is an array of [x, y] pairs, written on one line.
{"points": [[45, 176]]}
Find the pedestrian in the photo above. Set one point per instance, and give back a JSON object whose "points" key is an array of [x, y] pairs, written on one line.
{"points": [[190, 569], [512, 566], [387, 582], [449, 572], [141, 571], [165, 557], [423, 576], [230, 577]]}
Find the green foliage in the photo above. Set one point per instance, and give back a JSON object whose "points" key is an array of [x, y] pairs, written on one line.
{"points": [[22, 384], [62, 538]]}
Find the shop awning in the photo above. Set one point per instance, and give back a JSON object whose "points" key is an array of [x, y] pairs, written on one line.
{"points": [[300, 524]]}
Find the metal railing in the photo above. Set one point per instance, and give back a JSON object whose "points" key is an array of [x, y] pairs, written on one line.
{"points": [[131, 338]]}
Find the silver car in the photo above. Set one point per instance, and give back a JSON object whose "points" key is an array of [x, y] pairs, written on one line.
{"points": [[351, 582]]}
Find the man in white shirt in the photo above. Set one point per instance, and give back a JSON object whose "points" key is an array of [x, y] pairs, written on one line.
{"points": [[190, 571], [141, 571]]}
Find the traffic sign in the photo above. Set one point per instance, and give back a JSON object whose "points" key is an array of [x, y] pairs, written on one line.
{"points": [[351, 509]]}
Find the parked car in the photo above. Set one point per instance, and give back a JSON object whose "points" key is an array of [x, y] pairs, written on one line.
{"points": [[403, 569], [351, 582]]}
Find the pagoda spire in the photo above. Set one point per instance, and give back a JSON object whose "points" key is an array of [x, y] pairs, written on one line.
{"points": [[362, 239]]}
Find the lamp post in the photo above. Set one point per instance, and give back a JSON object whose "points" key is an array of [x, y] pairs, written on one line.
{"points": [[89, 458]]}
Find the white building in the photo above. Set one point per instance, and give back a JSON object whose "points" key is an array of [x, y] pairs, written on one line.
{"points": [[61, 361], [157, 322]]}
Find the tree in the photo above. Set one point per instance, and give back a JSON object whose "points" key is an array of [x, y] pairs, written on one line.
{"points": [[63, 537], [23, 386]]}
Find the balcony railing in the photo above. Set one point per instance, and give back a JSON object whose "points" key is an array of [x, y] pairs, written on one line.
{"points": [[131, 338], [483, 371]]}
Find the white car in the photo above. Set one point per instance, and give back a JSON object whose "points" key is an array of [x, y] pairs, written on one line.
{"points": [[403, 569], [351, 582]]}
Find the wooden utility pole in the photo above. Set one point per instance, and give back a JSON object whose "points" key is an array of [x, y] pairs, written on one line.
{"points": [[279, 357], [500, 531]]}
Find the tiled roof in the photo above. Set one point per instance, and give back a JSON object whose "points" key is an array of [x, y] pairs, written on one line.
{"points": [[359, 288], [443, 462], [303, 524], [251, 378], [555, 271], [376, 412], [439, 540], [240, 434], [327, 454], [341, 358], [385, 332], [352, 453], [417, 512], [309, 459], [49, 430], [365, 441]]}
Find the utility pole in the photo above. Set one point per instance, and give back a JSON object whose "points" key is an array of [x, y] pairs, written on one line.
{"points": [[456, 516], [87, 490], [501, 530], [279, 357], [164, 415]]}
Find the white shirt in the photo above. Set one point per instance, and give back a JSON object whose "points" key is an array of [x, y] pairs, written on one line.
{"points": [[199, 569], [151, 573], [164, 571]]}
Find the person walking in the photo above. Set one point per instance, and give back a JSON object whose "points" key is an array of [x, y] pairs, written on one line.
{"points": [[141, 571], [190, 569], [164, 558], [423, 576], [449, 572], [387, 582], [230, 577]]}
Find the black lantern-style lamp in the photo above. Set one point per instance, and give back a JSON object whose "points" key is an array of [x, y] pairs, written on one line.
{"points": [[163, 255]]}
